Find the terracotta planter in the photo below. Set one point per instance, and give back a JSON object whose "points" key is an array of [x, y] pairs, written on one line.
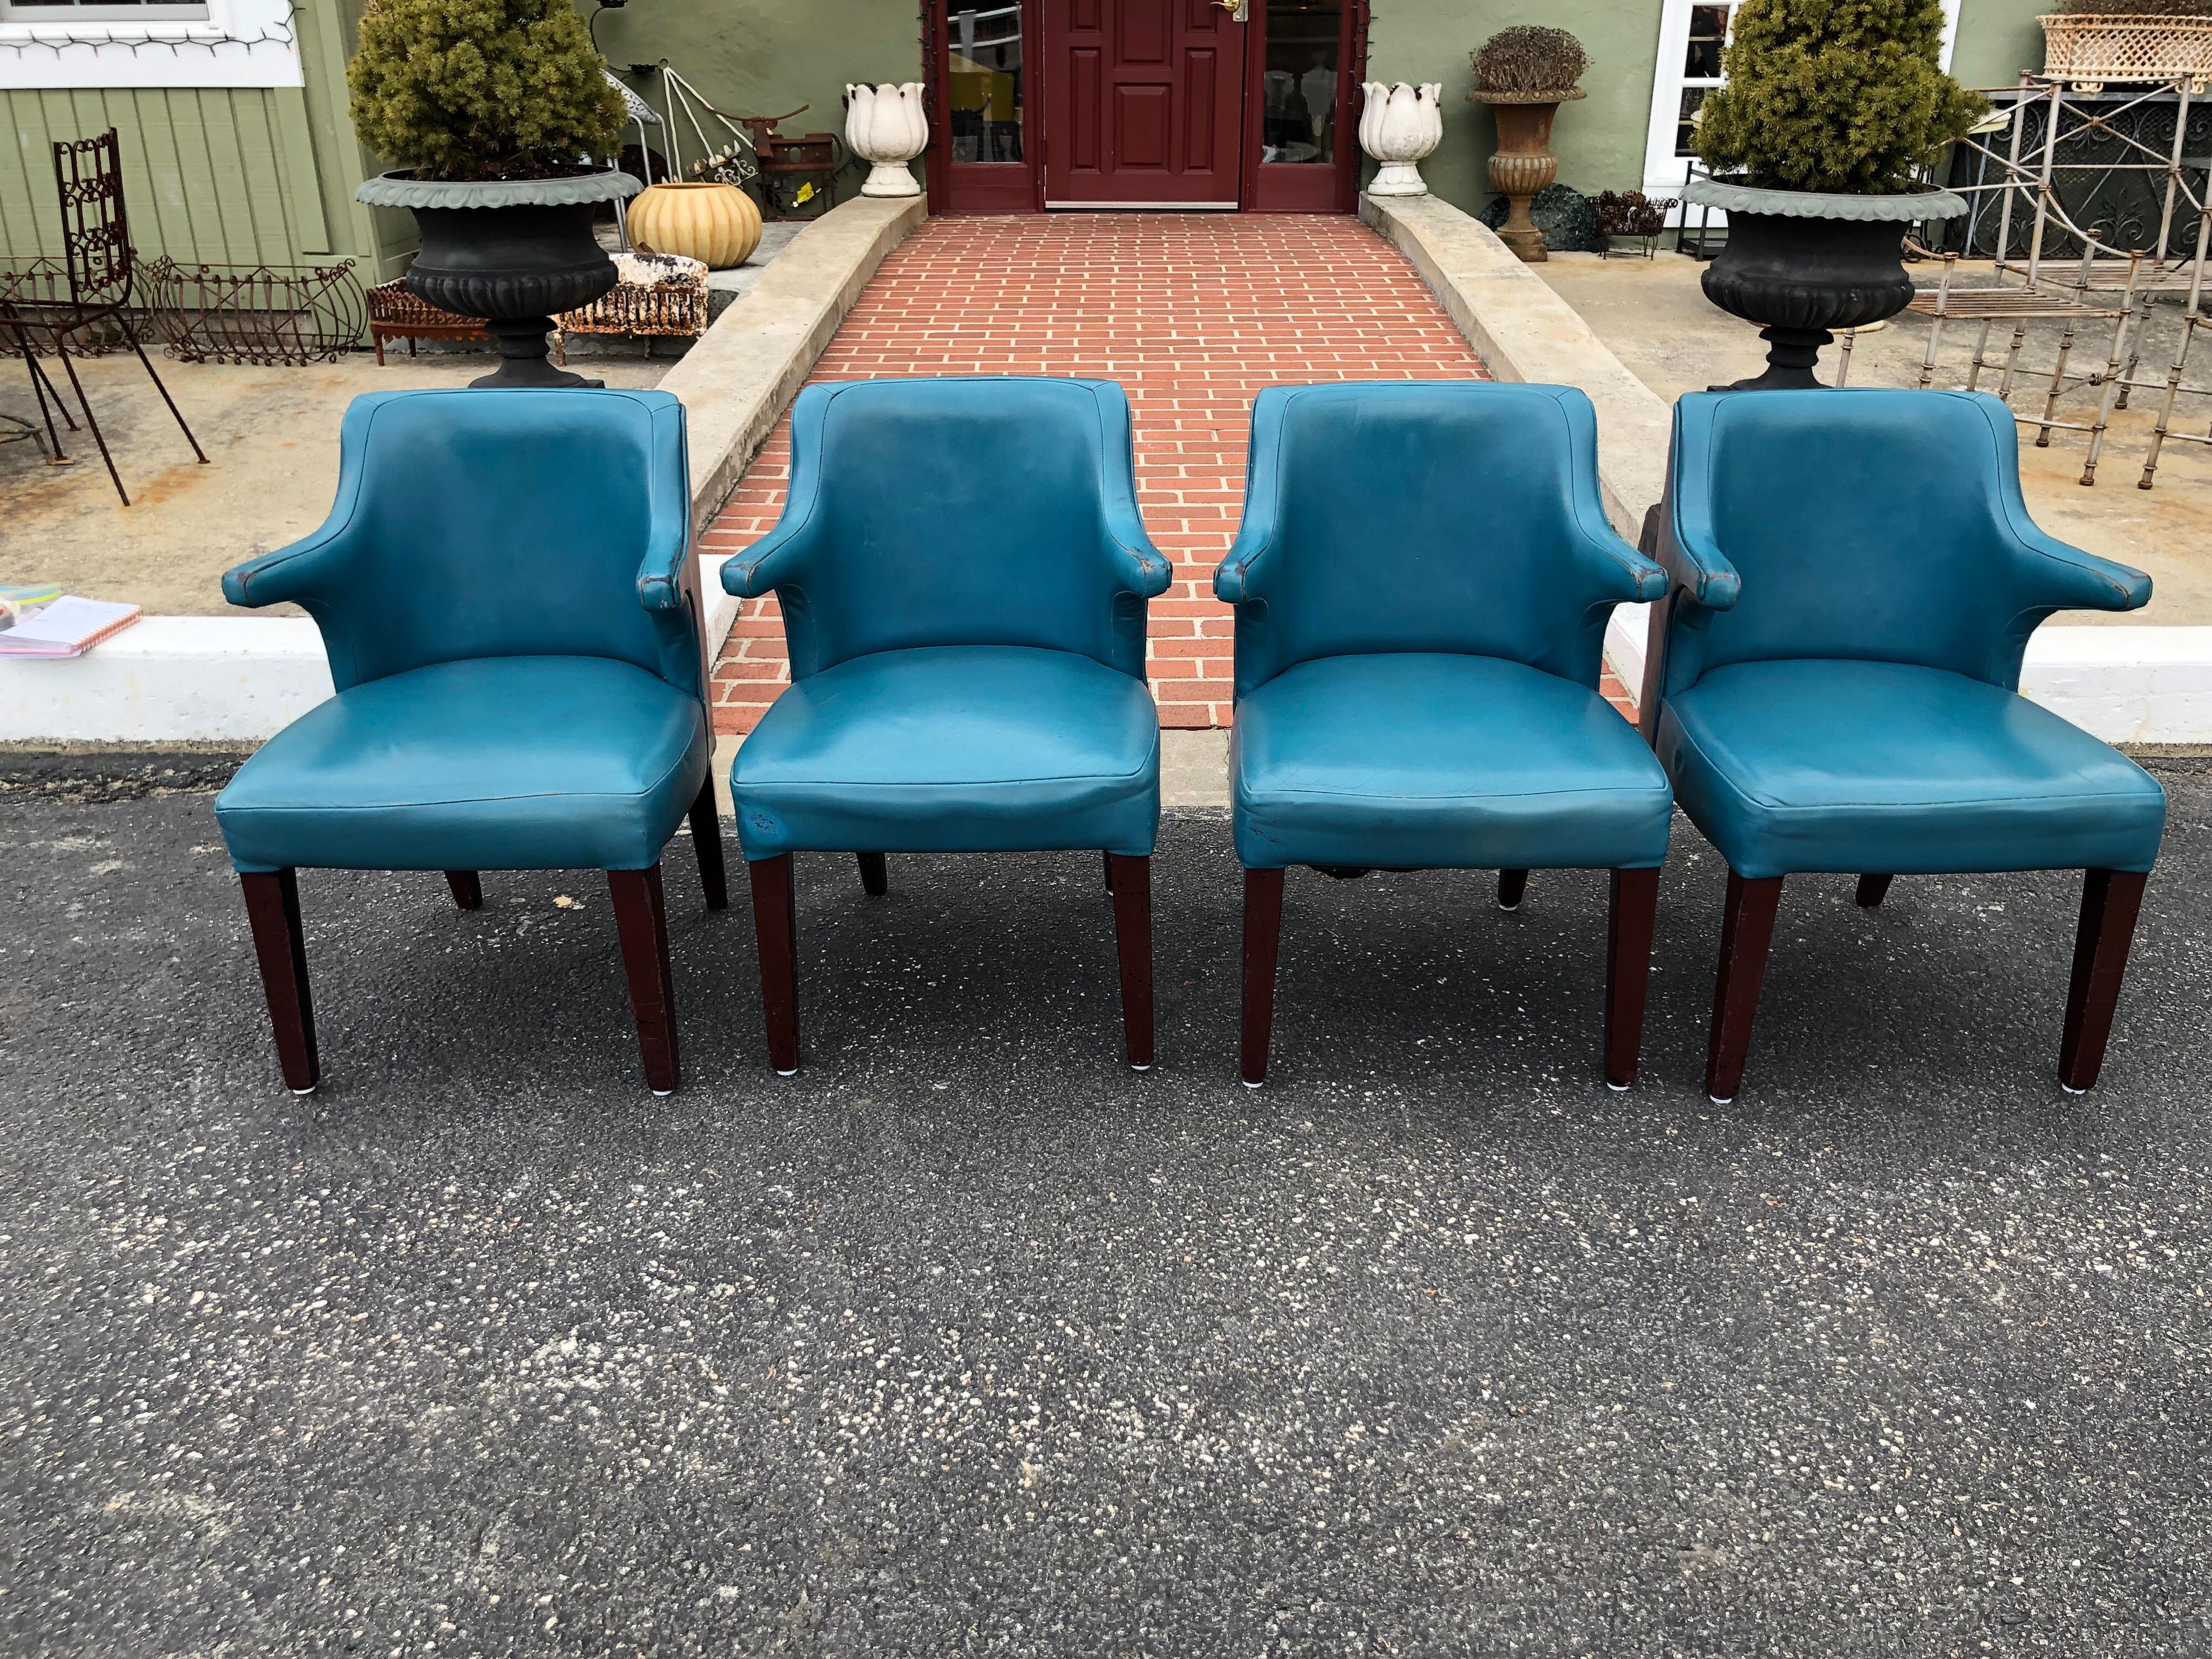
{"points": [[1523, 164], [716, 224]]}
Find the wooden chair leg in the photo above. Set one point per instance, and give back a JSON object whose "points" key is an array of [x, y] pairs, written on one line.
{"points": [[1511, 884], [2110, 899], [1634, 912], [707, 842], [875, 875], [1746, 931], [641, 920], [272, 907], [1132, 935], [1872, 890], [1263, 938], [776, 929], [467, 889]]}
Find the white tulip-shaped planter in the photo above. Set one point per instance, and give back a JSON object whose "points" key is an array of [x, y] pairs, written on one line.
{"points": [[886, 125], [1399, 127]]}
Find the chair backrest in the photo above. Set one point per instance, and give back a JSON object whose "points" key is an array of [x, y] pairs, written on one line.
{"points": [[506, 523], [1455, 516], [962, 511], [95, 233], [1866, 525]]}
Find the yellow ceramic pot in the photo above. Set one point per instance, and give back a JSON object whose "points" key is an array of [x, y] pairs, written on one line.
{"points": [[717, 224]]}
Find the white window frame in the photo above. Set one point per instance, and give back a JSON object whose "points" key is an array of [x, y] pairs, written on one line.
{"points": [[23, 14], [1664, 169], [217, 43]]}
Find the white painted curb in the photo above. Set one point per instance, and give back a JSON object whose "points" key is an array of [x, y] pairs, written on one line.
{"points": [[2128, 683], [243, 678]]}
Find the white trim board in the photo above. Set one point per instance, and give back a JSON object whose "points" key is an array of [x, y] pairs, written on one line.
{"points": [[242, 43]]}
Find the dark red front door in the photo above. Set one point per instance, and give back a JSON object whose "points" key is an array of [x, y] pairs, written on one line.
{"points": [[1145, 101]]}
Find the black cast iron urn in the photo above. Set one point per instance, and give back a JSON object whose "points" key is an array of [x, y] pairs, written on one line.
{"points": [[1803, 265]]}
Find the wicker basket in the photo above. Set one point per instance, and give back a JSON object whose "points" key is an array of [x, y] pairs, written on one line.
{"points": [[660, 294], [2089, 50]]}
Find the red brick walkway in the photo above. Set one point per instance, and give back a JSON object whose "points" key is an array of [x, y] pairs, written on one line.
{"points": [[1192, 313]]}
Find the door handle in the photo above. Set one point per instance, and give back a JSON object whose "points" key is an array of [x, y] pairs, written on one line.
{"points": [[1239, 10]]}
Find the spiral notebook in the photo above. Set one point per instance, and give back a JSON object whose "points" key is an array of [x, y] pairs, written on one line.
{"points": [[69, 626]]}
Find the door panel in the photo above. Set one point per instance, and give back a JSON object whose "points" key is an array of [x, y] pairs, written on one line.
{"points": [[1145, 102]]}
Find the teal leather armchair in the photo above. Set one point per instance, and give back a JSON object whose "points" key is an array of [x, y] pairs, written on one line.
{"points": [[507, 593], [963, 582], [1422, 583], [1835, 685]]}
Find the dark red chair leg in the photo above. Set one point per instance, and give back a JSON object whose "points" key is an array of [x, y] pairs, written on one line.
{"points": [[272, 907], [2110, 902], [875, 875], [1132, 935], [641, 921], [1263, 939], [1634, 911], [1872, 890], [1511, 884], [1746, 931], [707, 842], [467, 889], [776, 930]]}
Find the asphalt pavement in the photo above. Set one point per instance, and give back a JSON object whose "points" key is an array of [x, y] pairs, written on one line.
{"points": [[967, 1340]]}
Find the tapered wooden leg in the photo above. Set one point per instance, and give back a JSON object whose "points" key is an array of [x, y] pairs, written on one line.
{"points": [[1634, 911], [1132, 934], [875, 876], [1511, 884], [707, 842], [1873, 890], [467, 888], [775, 928], [1263, 938], [1746, 931], [2110, 902], [272, 907], [641, 920]]}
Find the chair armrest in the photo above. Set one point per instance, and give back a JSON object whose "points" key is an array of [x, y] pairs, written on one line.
{"points": [[1237, 578], [1140, 568], [1631, 577], [776, 560], [2063, 578], [304, 570], [1693, 561]]}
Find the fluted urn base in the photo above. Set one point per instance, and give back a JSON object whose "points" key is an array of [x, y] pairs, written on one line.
{"points": [[517, 268]]}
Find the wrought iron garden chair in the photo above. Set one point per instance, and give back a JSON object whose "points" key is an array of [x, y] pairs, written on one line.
{"points": [[45, 302]]}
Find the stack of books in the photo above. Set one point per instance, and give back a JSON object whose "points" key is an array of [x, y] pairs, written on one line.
{"points": [[59, 626]]}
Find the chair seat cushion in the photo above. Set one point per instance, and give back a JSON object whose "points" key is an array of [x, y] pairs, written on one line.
{"points": [[494, 763], [1421, 761], [953, 748], [1894, 769]]}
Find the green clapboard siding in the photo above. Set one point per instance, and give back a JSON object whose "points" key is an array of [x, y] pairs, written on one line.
{"points": [[218, 175]]}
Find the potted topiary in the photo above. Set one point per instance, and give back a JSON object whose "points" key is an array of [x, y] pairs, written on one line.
{"points": [[492, 108], [1524, 75], [1830, 108]]}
